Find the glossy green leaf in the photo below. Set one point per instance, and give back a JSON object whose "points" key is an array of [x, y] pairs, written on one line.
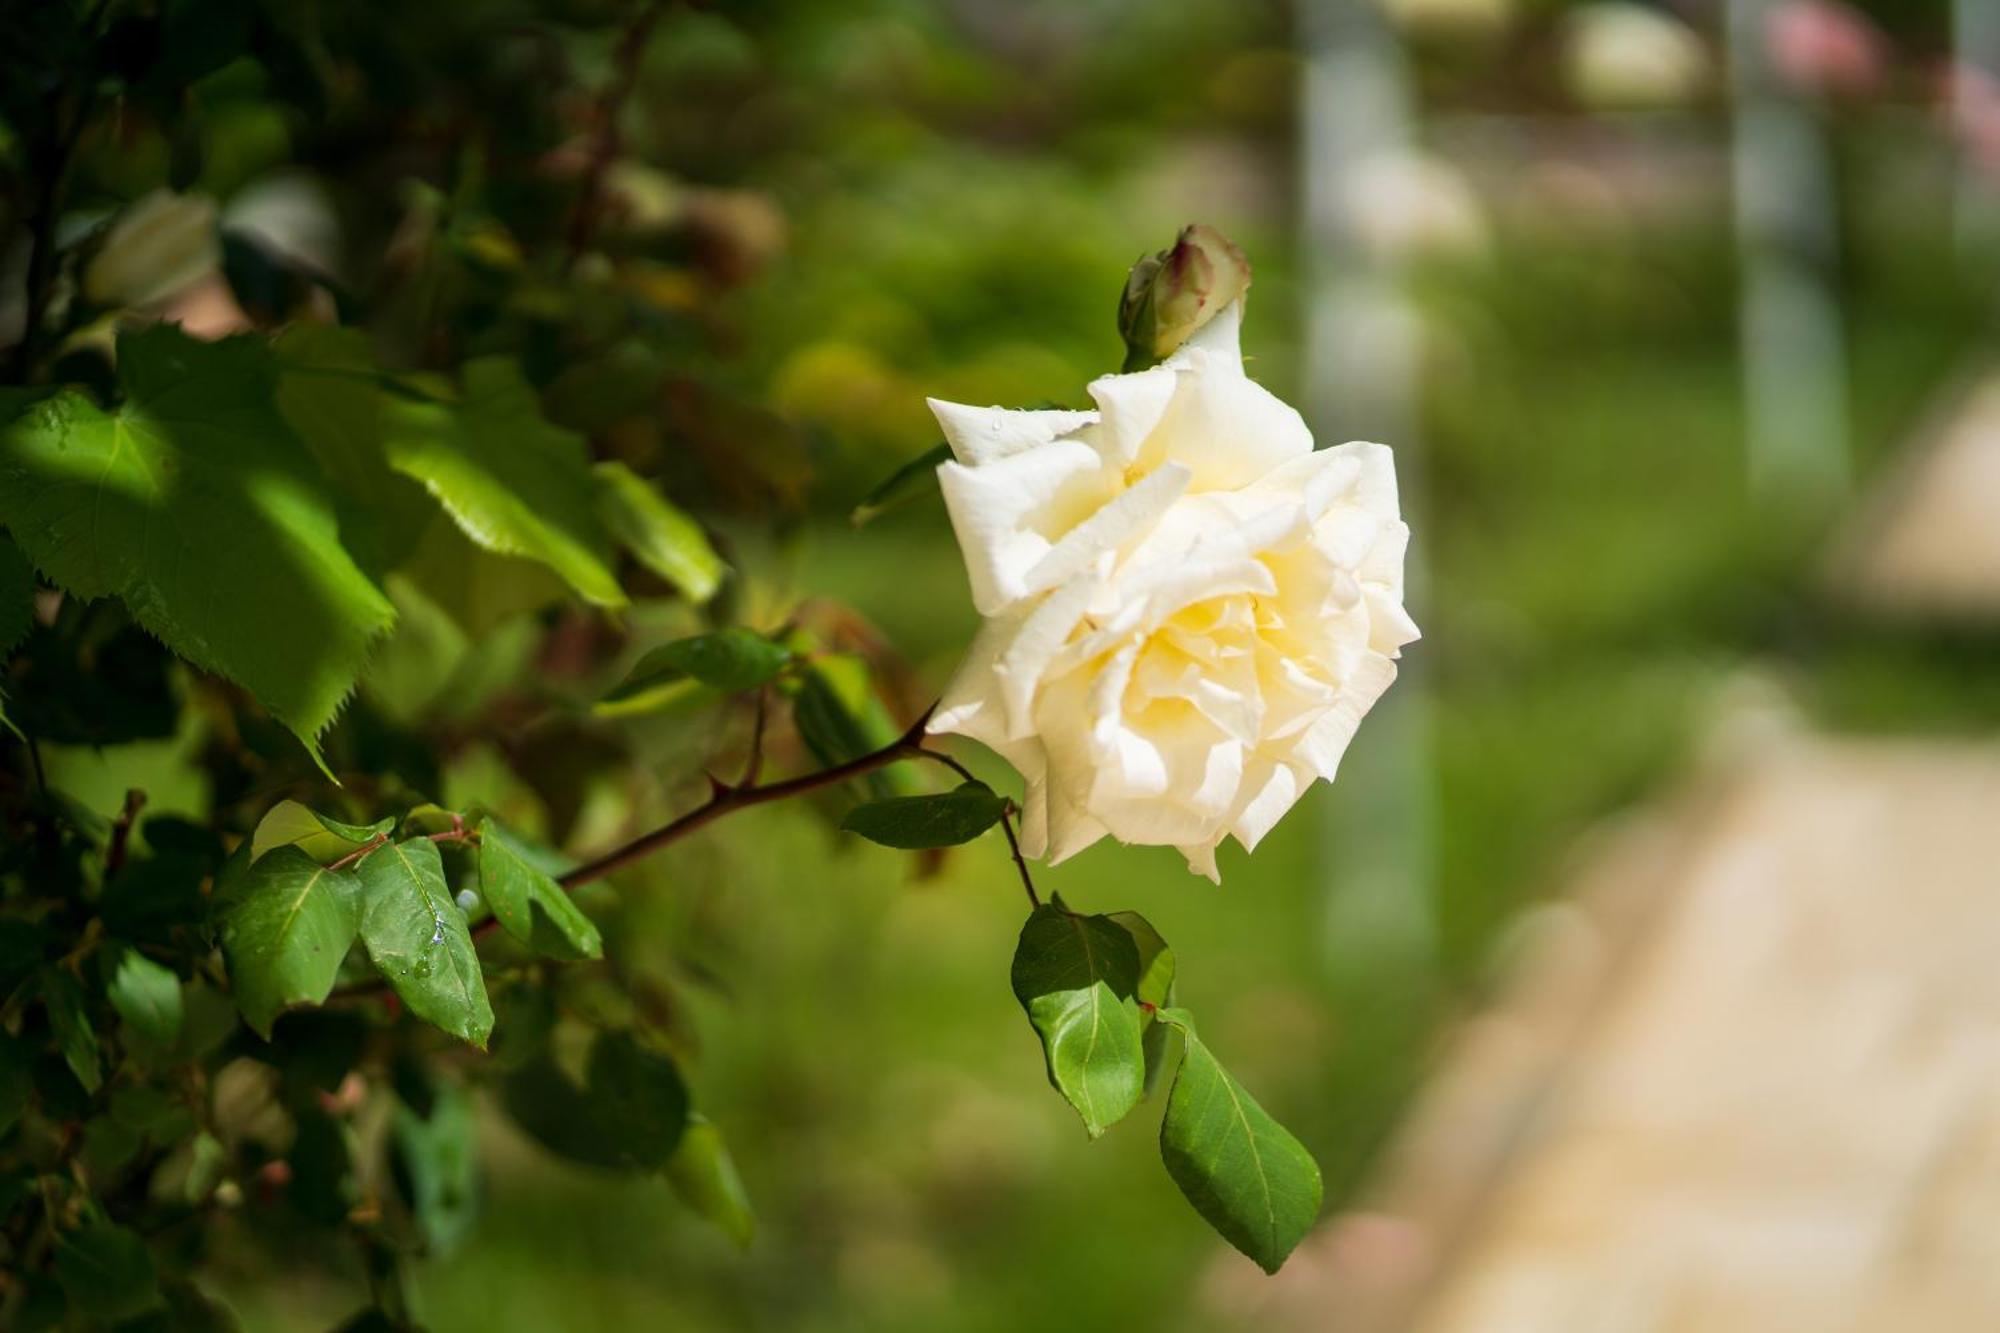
{"points": [[1242, 1170], [730, 660], [914, 823], [514, 483], [287, 922], [1076, 976], [290, 824], [75, 1037], [915, 478], [196, 504], [704, 1175], [107, 1271], [417, 936], [435, 1154], [147, 996], [531, 906], [657, 533], [1156, 988]]}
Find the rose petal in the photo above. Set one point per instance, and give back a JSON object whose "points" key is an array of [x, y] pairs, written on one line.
{"points": [[981, 435]]}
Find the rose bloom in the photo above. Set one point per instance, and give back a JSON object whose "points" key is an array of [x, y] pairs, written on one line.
{"points": [[1188, 610]]}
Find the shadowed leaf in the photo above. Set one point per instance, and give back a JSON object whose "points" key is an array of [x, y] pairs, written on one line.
{"points": [[1076, 976]]}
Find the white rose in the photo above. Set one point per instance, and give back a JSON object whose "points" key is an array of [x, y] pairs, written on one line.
{"points": [[1188, 610]]}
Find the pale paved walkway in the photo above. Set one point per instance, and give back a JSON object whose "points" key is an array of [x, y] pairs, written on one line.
{"points": [[1747, 1081], [1928, 543]]}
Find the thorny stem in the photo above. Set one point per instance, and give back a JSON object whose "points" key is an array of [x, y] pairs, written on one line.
{"points": [[456, 833], [725, 798], [1020, 861]]}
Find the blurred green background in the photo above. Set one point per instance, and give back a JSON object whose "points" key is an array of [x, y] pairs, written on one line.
{"points": [[942, 199]]}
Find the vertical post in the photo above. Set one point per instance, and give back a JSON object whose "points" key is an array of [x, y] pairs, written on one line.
{"points": [[1360, 368], [1975, 40], [1794, 360]]}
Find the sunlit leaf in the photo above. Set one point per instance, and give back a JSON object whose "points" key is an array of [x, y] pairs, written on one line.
{"points": [[197, 505], [290, 824], [660, 536], [704, 1175], [514, 483], [1242, 1170]]}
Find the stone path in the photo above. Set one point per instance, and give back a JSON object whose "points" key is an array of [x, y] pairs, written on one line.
{"points": [[1747, 1078], [1929, 543]]}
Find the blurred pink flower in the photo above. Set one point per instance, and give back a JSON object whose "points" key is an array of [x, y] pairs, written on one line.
{"points": [[1826, 49], [1972, 103]]}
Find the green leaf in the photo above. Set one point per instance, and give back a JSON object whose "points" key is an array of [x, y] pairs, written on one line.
{"points": [[107, 1271], [914, 823], [514, 483], [840, 717], [639, 1101], [531, 906], [1242, 1170], [75, 1037], [332, 393], [660, 536], [1076, 976], [289, 824], [631, 1113], [1156, 988], [436, 1161], [730, 660], [417, 936], [196, 504], [147, 996], [902, 486], [704, 1175], [16, 1079], [287, 922]]}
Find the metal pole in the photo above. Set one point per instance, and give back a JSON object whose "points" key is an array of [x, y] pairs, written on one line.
{"points": [[1794, 358], [1361, 383]]}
